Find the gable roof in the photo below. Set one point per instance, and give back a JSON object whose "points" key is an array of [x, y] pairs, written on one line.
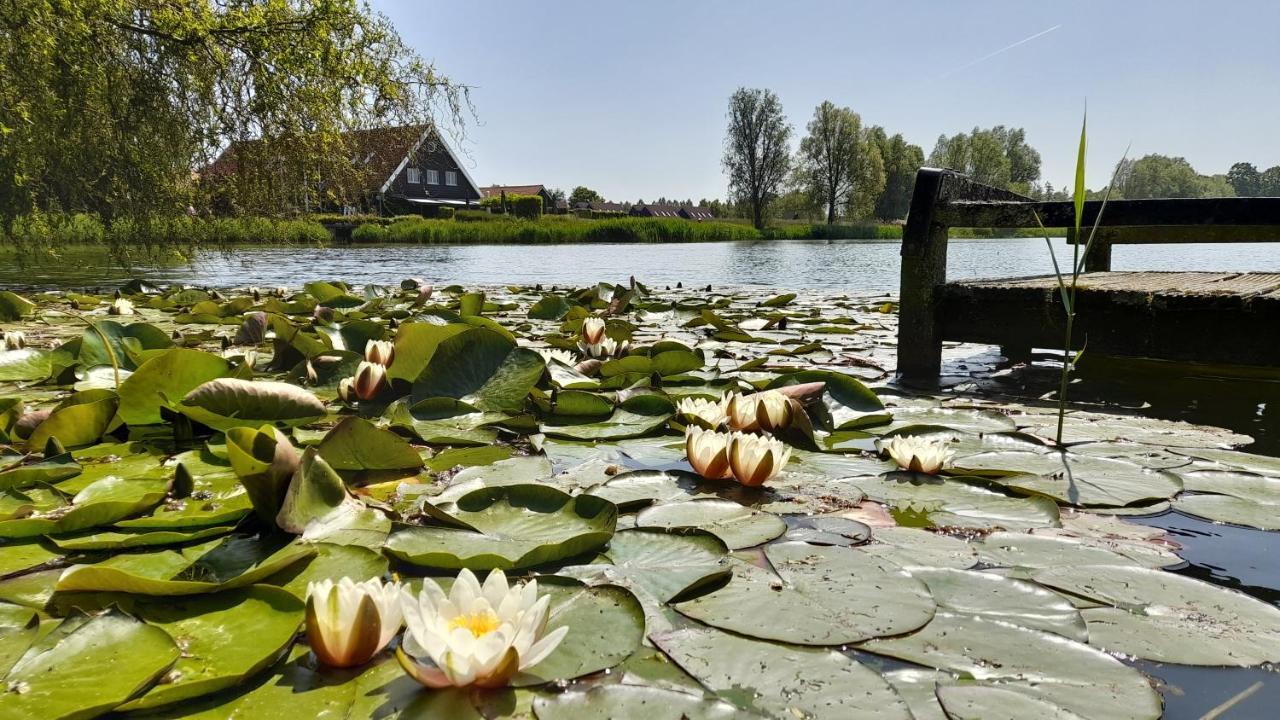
{"points": [[497, 190], [384, 152]]}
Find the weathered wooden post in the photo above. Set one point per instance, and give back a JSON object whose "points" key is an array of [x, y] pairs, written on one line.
{"points": [[924, 270]]}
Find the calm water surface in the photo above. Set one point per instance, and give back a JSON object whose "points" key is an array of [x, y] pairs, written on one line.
{"points": [[847, 265]]}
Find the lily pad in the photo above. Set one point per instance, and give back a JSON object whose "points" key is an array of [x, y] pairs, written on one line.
{"points": [[481, 368], [999, 598], [508, 527], [606, 625], [1230, 509], [664, 564], [79, 420], [1161, 616], [1029, 550], [916, 546], [357, 444], [633, 702], [101, 503], [811, 599], [163, 380], [227, 403], [737, 526], [1073, 479], [954, 502]]}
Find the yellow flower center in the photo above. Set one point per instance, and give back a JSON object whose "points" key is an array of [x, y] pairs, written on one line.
{"points": [[478, 624]]}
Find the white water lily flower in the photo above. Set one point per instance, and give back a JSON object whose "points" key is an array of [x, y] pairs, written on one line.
{"points": [[350, 622], [918, 454], [380, 352], [742, 412], [564, 357], [479, 636], [774, 411], [120, 306], [755, 459], [593, 330], [15, 340], [606, 348], [707, 413], [708, 452]]}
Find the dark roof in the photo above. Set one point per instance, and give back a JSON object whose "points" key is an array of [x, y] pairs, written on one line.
{"points": [[658, 210], [699, 213], [602, 206], [379, 149], [498, 190]]}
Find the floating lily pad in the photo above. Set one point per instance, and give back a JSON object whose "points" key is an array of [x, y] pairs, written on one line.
{"points": [[737, 526], [606, 624], [226, 403], [1045, 666], [481, 368], [1229, 509], [633, 702], [916, 546], [25, 364], [87, 666], [999, 598], [357, 444], [665, 564], [114, 540], [508, 527], [955, 502], [1025, 550], [1073, 479], [811, 599], [1161, 616], [829, 530], [988, 702], [780, 680], [79, 420], [164, 380], [101, 503]]}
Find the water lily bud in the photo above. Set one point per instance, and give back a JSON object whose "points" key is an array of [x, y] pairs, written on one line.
{"points": [[256, 293], [313, 377], [742, 412], [424, 293], [774, 411], [349, 622], [281, 291], [755, 459], [708, 452], [564, 357], [14, 340], [347, 390], [475, 636], [381, 352], [918, 454], [593, 330], [322, 314], [120, 306], [370, 379], [709, 414], [606, 348]]}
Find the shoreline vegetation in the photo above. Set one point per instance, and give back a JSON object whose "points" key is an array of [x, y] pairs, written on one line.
{"points": [[182, 233]]}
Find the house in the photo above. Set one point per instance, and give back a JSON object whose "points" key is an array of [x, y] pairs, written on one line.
{"points": [[408, 169], [603, 207], [688, 212], [497, 191]]}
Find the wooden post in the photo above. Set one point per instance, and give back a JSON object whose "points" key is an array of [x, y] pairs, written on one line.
{"points": [[924, 270], [1099, 257]]}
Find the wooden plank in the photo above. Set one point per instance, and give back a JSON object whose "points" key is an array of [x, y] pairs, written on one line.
{"points": [[1188, 212], [1152, 283], [1153, 234]]}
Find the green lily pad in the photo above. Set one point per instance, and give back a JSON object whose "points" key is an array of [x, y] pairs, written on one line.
{"points": [[954, 502], [999, 598], [331, 562], [635, 489], [1229, 509], [46, 471], [1042, 665], [508, 527], [664, 564], [79, 420], [916, 546], [164, 380], [621, 424], [114, 540], [227, 403], [606, 625], [127, 342], [737, 526], [415, 344], [1073, 479], [481, 368], [25, 364], [1161, 616], [811, 601], [87, 666], [633, 702], [782, 681], [985, 702], [1029, 550], [13, 306], [357, 444], [320, 508], [101, 503]]}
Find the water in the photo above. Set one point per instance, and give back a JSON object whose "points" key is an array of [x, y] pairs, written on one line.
{"points": [[853, 265]]}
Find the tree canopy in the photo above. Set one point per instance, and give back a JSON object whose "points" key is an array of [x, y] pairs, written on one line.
{"points": [[839, 162], [1162, 176], [757, 155], [998, 156], [114, 106], [582, 194]]}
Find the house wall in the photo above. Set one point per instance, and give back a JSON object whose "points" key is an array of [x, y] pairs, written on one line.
{"points": [[433, 157]]}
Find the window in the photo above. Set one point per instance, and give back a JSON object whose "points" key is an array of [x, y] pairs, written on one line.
{"points": [[450, 177], [415, 176], [433, 177]]}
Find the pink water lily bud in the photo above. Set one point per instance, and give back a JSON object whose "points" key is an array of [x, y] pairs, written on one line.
{"points": [[381, 352], [349, 622], [708, 452], [755, 459], [476, 636]]}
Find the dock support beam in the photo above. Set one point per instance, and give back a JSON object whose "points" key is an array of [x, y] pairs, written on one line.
{"points": [[924, 271]]}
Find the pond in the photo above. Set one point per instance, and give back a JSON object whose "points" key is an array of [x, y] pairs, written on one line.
{"points": [[859, 265], [1107, 581]]}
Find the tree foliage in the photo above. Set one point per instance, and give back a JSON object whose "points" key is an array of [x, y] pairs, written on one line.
{"points": [[111, 106], [1245, 179], [839, 162], [901, 162], [582, 194], [757, 155], [998, 156], [1161, 176]]}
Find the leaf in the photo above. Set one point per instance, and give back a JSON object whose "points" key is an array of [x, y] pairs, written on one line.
{"points": [[550, 307], [994, 597], [77, 421], [1161, 616], [980, 702], [87, 666], [622, 424], [357, 444], [633, 702], [810, 598], [737, 526], [226, 403], [1041, 665], [1072, 478], [25, 364], [953, 502], [14, 307], [481, 368], [508, 527], [606, 625], [264, 461], [1023, 550], [415, 344], [101, 503], [782, 681], [319, 507], [664, 564], [127, 342], [163, 380], [114, 540]]}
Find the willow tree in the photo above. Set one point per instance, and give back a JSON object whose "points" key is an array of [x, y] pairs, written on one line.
{"points": [[757, 155], [840, 162], [114, 106]]}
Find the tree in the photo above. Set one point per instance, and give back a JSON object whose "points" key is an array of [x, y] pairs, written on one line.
{"points": [[999, 157], [110, 106], [582, 194], [834, 160], [902, 161], [1161, 176], [756, 153], [1245, 179], [1269, 183]]}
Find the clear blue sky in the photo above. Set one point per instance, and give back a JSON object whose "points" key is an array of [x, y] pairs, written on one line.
{"points": [[629, 98]]}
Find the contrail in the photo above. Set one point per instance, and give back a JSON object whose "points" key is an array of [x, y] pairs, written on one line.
{"points": [[1007, 48]]}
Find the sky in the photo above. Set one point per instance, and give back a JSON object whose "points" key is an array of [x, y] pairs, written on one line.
{"points": [[630, 98]]}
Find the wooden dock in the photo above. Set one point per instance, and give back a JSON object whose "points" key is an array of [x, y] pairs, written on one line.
{"points": [[1224, 318]]}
